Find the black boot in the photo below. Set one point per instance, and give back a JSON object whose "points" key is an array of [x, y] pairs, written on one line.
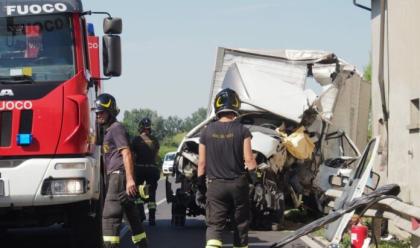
{"points": [[152, 217], [109, 245], [142, 244]]}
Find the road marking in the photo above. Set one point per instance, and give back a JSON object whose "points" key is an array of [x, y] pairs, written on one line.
{"points": [[124, 230]]}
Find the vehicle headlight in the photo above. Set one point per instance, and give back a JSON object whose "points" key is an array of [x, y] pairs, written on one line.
{"points": [[70, 166], [71, 186]]}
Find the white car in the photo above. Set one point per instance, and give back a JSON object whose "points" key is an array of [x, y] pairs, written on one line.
{"points": [[168, 163]]}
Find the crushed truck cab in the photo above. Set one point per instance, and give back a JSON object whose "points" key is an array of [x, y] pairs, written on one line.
{"points": [[306, 111]]}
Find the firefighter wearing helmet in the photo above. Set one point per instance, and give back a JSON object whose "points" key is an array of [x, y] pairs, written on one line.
{"points": [[146, 147], [122, 190], [225, 155]]}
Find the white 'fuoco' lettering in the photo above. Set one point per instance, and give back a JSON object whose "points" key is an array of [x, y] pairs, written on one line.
{"points": [[27, 105], [35, 8], [23, 10], [49, 8], [60, 7], [19, 105], [10, 9], [6, 92]]}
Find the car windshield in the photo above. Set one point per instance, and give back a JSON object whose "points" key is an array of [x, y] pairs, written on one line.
{"points": [[170, 157], [38, 47]]}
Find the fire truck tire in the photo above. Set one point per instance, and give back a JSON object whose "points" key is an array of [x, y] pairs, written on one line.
{"points": [[86, 230], [86, 222], [3, 232]]}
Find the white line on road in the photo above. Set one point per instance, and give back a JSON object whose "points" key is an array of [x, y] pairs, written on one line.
{"points": [[157, 204]]}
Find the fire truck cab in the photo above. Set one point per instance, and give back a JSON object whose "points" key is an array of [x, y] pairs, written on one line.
{"points": [[50, 166]]}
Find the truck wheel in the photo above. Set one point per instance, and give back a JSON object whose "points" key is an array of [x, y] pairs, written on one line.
{"points": [[178, 215], [86, 230], [3, 232], [178, 220], [85, 220], [178, 212]]}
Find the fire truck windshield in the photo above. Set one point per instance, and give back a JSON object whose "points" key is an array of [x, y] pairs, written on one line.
{"points": [[39, 47]]}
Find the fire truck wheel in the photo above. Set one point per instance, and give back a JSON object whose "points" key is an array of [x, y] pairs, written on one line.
{"points": [[3, 232], [86, 228]]}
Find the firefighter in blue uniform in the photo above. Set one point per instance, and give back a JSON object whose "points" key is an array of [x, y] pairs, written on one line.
{"points": [[145, 148], [225, 155], [121, 186]]}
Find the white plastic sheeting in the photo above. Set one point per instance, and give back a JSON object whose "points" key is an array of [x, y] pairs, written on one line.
{"points": [[269, 87]]}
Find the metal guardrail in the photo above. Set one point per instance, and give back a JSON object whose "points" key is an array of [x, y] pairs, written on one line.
{"points": [[404, 216]]}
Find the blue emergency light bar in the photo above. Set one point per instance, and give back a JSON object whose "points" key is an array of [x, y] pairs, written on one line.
{"points": [[24, 139], [90, 29]]}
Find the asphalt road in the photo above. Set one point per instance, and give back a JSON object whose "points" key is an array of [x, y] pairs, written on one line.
{"points": [[163, 235]]}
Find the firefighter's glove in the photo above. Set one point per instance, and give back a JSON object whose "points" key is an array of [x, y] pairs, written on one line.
{"points": [[200, 199], [253, 177], [201, 184], [143, 190]]}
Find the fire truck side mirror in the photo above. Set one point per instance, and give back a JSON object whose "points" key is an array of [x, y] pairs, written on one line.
{"points": [[111, 55], [112, 25]]}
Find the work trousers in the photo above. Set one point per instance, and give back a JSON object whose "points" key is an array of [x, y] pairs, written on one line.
{"points": [[118, 203], [227, 199], [149, 174]]}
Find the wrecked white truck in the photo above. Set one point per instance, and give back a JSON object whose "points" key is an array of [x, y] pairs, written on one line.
{"points": [[304, 110]]}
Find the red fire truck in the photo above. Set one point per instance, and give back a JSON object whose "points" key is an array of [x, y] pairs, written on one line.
{"points": [[50, 166]]}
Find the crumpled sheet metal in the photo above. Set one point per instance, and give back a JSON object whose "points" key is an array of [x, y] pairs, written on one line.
{"points": [[299, 144]]}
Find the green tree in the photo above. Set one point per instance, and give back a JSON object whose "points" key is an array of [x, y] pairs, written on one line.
{"points": [[173, 125], [196, 118], [132, 118], [169, 131], [162, 127]]}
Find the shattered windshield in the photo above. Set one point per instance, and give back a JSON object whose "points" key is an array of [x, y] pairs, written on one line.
{"points": [[36, 47]]}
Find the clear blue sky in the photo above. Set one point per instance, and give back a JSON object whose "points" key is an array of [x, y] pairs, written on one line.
{"points": [[169, 47]]}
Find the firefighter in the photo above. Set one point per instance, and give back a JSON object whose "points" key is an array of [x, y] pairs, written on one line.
{"points": [[121, 187], [146, 147], [225, 155]]}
